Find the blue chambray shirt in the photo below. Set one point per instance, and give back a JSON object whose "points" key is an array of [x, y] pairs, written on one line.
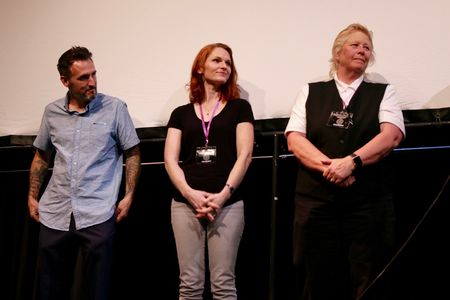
{"points": [[88, 164]]}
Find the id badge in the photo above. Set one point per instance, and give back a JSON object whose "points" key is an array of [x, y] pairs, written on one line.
{"points": [[206, 155], [340, 119]]}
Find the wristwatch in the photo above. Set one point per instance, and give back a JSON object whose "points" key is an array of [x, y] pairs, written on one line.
{"points": [[230, 187], [357, 160]]}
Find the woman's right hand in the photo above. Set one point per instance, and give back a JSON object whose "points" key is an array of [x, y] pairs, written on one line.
{"points": [[201, 203]]}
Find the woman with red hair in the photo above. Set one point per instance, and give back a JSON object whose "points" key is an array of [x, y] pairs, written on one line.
{"points": [[212, 136]]}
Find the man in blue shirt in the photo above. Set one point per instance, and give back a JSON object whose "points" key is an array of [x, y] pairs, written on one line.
{"points": [[92, 136]]}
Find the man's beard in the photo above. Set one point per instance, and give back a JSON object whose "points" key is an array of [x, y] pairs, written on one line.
{"points": [[90, 94]]}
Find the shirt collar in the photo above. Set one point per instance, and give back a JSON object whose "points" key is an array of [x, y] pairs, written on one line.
{"points": [[89, 106], [342, 85]]}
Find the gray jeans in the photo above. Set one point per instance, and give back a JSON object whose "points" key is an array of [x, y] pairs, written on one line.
{"points": [[221, 237]]}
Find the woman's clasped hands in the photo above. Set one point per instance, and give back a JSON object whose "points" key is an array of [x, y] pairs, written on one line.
{"points": [[339, 171], [207, 205]]}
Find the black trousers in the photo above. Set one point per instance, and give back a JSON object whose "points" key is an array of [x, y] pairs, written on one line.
{"points": [[340, 246], [61, 251]]}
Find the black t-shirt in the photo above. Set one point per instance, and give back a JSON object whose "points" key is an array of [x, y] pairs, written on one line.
{"points": [[222, 135]]}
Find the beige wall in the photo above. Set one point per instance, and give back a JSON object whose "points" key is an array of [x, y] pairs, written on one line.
{"points": [[144, 49]]}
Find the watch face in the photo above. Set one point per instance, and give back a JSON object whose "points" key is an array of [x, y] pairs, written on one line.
{"points": [[230, 187], [357, 160]]}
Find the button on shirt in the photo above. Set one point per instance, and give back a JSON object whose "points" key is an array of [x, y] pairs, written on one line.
{"points": [[389, 109], [88, 164]]}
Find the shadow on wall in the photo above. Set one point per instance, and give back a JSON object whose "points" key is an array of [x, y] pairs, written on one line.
{"points": [[439, 100], [179, 97], [248, 91], [255, 96]]}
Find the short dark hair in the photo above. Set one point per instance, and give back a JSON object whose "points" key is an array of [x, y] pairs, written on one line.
{"points": [[70, 56]]}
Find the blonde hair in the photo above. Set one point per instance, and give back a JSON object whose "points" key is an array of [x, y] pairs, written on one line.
{"points": [[340, 40]]}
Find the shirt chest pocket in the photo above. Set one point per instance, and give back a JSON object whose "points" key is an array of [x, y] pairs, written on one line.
{"points": [[101, 135]]}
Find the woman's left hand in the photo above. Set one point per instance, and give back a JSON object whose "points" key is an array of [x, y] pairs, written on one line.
{"points": [[339, 170], [211, 206]]}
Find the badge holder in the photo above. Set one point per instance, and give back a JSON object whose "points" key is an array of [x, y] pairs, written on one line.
{"points": [[340, 119], [206, 155]]}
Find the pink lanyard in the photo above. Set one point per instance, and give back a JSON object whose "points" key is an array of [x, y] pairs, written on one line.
{"points": [[206, 129]]}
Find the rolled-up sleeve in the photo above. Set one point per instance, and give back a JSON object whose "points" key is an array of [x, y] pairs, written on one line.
{"points": [[390, 110], [297, 120]]}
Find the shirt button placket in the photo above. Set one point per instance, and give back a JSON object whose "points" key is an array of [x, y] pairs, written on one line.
{"points": [[76, 152]]}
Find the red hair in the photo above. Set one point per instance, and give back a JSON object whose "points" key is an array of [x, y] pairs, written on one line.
{"points": [[229, 90]]}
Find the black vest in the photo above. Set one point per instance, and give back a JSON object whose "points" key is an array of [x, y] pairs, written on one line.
{"points": [[324, 98]]}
